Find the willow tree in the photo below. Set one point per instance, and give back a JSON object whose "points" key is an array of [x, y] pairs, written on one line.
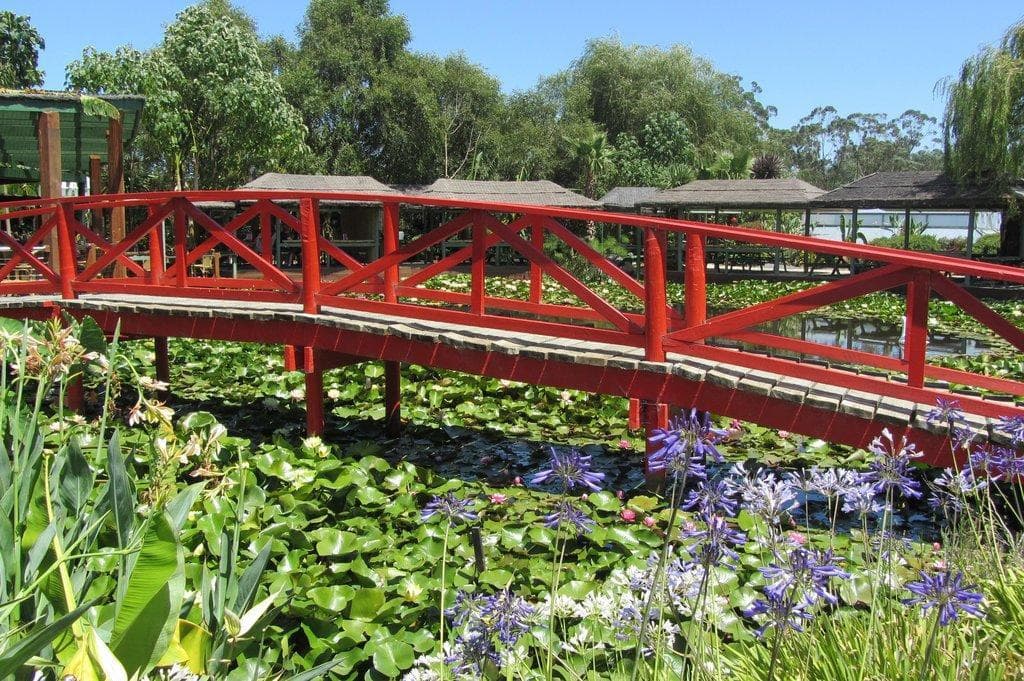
{"points": [[984, 121]]}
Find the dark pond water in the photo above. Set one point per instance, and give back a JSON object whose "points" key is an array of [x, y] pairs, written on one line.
{"points": [[870, 335]]}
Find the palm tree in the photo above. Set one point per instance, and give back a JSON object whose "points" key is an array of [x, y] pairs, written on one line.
{"points": [[595, 154]]}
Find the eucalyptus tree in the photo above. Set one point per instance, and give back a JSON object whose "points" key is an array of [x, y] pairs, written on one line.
{"points": [[984, 120], [214, 115], [20, 44]]}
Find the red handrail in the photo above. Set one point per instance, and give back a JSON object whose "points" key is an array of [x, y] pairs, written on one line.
{"points": [[654, 325]]}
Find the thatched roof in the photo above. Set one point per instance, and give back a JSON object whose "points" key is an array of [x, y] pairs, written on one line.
{"points": [[910, 189], [318, 183], [627, 198], [533, 193], [751, 194]]}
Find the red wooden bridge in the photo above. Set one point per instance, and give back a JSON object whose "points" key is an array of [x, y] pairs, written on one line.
{"points": [[343, 309]]}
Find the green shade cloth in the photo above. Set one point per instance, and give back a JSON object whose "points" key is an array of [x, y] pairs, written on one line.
{"points": [[83, 131]]}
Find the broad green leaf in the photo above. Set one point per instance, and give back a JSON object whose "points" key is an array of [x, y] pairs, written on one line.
{"points": [[331, 598], [179, 507], [120, 496], [76, 479], [391, 657], [148, 612], [250, 579], [366, 604]]}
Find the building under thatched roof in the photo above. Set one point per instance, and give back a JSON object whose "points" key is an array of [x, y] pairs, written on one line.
{"points": [[787, 193], [533, 193], [627, 198], [918, 189]]}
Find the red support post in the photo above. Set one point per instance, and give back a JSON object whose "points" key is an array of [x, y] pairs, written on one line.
{"points": [[163, 362], [290, 361], [180, 245], [156, 250], [309, 223], [536, 275], [392, 398], [314, 392], [66, 246], [390, 246], [656, 297], [655, 416], [479, 265], [916, 327], [695, 299], [634, 414]]}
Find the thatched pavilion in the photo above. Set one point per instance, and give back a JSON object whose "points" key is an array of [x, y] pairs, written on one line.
{"points": [[627, 199], [711, 197], [353, 224], [926, 190]]}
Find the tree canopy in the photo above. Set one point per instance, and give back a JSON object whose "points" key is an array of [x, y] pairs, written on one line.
{"points": [[20, 44], [214, 115], [984, 121]]}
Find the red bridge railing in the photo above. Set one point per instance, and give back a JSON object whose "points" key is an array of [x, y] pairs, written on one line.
{"points": [[173, 232]]}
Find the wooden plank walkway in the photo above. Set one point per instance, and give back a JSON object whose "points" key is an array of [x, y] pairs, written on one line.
{"points": [[743, 383]]}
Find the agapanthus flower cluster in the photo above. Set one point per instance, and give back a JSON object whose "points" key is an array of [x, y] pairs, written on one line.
{"points": [[947, 592], [995, 463], [951, 489], [685, 445], [831, 483], [489, 626], [713, 545], [450, 508], [891, 466], [764, 494], [571, 469], [568, 515], [779, 613], [862, 499], [1013, 426], [712, 497], [804, 576]]}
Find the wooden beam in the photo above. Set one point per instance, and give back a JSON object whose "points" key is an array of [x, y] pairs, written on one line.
{"points": [[48, 136], [96, 187], [115, 184]]}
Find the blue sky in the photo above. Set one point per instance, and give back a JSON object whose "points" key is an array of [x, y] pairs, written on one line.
{"points": [[865, 56]]}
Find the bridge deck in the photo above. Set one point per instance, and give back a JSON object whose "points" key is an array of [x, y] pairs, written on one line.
{"points": [[816, 409]]}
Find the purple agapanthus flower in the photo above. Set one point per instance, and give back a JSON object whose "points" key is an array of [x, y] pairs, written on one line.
{"points": [[950, 490], [450, 508], [1014, 427], [994, 462], [780, 613], [891, 466], [862, 499], [947, 592], [712, 497], [831, 482], [506, 615], [566, 513], [946, 412], [768, 497], [684, 446], [472, 652], [571, 469], [714, 544], [804, 576]]}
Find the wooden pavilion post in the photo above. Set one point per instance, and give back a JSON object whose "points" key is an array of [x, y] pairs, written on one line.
{"points": [[969, 246], [778, 229], [115, 185], [48, 136], [906, 229], [807, 233], [96, 187]]}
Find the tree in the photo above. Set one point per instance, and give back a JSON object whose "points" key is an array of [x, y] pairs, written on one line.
{"points": [[620, 87], [594, 155], [662, 155], [214, 115], [20, 44], [984, 120], [828, 149]]}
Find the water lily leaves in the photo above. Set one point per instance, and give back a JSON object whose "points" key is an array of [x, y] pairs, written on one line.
{"points": [[331, 598], [366, 604], [390, 656]]}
